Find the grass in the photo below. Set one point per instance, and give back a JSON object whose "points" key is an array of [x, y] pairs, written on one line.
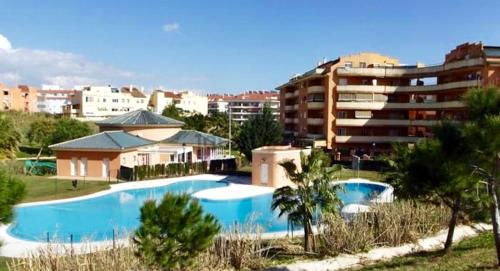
{"points": [[345, 174], [40, 188], [476, 253], [364, 174], [3, 264]]}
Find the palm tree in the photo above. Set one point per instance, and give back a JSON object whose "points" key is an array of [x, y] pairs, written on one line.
{"points": [[312, 195]]}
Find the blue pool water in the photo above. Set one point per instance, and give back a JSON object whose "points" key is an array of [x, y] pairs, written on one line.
{"points": [[118, 212]]}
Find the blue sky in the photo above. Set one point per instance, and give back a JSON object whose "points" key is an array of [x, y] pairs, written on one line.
{"points": [[223, 46]]}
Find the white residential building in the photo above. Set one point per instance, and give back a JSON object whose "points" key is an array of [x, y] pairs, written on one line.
{"points": [[105, 101], [188, 101], [53, 99], [243, 106]]}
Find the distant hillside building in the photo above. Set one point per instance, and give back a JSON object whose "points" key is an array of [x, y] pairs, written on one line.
{"points": [[243, 106], [105, 101], [187, 101], [21, 98], [53, 99]]}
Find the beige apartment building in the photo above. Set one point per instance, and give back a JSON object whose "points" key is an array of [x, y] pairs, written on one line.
{"points": [[21, 98], [362, 103], [187, 101]]}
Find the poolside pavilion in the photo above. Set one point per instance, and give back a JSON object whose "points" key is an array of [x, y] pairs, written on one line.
{"points": [[133, 139]]}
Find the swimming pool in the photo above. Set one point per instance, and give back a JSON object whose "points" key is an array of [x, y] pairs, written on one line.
{"points": [[117, 213]]}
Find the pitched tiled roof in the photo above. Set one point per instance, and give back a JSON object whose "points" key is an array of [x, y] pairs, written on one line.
{"points": [[110, 140], [140, 118], [192, 137]]}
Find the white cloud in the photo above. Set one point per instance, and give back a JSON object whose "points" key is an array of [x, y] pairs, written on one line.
{"points": [[37, 67], [171, 27], [5, 43]]}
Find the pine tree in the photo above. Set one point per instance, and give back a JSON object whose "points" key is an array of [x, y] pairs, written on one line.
{"points": [[173, 232]]}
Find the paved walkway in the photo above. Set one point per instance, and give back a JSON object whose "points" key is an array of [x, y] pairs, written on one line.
{"points": [[345, 261]]}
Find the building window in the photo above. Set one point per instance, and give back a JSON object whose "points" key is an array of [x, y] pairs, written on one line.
{"points": [[342, 115], [343, 81], [5, 92], [342, 131], [348, 64], [362, 64]]}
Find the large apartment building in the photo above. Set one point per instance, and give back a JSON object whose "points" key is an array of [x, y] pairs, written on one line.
{"points": [[364, 102], [245, 105], [53, 99], [187, 101], [21, 98], [105, 101]]}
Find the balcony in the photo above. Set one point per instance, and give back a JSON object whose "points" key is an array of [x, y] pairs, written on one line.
{"points": [[289, 107], [315, 136], [409, 71], [315, 121], [295, 120], [296, 107], [384, 122], [288, 120], [289, 95], [296, 93], [384, 105], [316, 89], [315, 105], [405, 89], [376, 139]]}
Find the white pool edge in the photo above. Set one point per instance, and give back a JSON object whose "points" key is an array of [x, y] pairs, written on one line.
{"points": [[18, 248]]}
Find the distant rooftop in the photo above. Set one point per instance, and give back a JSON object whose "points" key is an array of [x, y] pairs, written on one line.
{"points": [[192, 137], [110, 140], [140, 118]]}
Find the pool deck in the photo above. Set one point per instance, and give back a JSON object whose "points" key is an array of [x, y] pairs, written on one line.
{"points": [[233, 191]]}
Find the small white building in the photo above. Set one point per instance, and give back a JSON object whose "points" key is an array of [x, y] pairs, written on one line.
{"points": [[105, 101], [187, 101], [53, 99]]}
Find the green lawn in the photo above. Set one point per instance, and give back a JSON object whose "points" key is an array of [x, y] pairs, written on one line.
{"points": [[345, 174], [365, 174], [42, 188], [3, 264], [477, 253]]}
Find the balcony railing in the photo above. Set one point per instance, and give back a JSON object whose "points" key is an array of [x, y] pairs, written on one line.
{"points": [[399, 71], [404, 89], [315, 121], [315, 136], [289, 107], [376, 139], [316, 89], [315, 105], [289, 95], [384, 105], [384, 122]]}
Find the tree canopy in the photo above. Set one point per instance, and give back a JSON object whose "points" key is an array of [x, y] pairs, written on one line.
{"points": [[260, 130], [173, 232], [9, 137], [67, 129], [11, 192]]}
